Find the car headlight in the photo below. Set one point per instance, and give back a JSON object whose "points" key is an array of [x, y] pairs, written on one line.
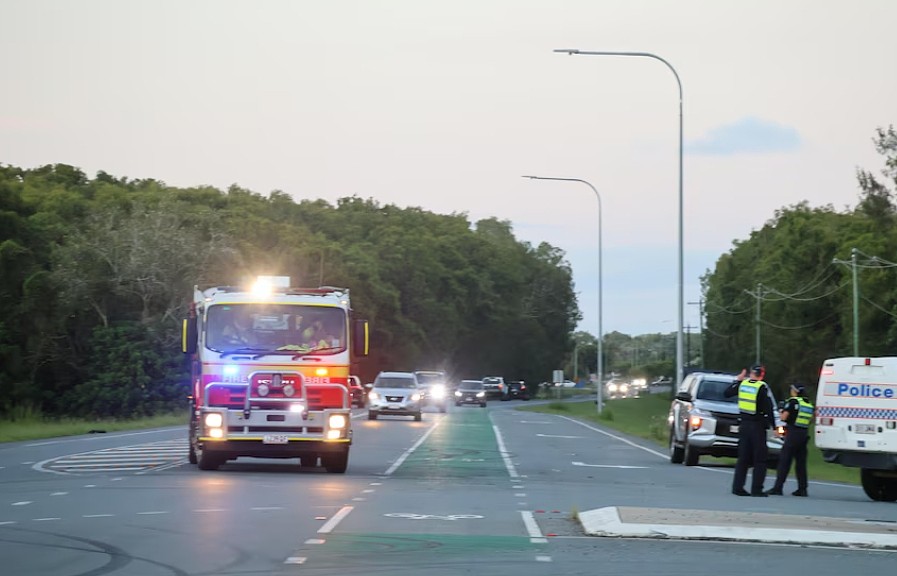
{"points": [[373, 396], [437, 392], [611, 387], [480, 394], [214, 420], [458, 393], [337, 421]]}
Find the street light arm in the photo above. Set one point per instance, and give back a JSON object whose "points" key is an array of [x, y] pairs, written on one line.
{"points": [[599, 401], [680, 364]]}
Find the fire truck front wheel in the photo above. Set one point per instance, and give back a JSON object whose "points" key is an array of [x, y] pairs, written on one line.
{"points": [[209, 461], [336, 463]]}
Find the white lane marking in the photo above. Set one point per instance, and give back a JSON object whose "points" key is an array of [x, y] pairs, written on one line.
{"points": [[358, 499], [529, 522], [22, 503], [97, 437], [615, 437], [58, 493], [367, 491], [538, 540], [211, 510], [97, 515], [335, 519], [410, 451], [607, 465], [44, 519], [376, 484], [152, 513], [264, 508], [534, 422], [90, 485], [166, 467], [413, 516], [665, 456], [315, 541], [6, 523], [517, 487], [295, 560], [543, 558], [512, 471], [557, 436], [520, 495]]}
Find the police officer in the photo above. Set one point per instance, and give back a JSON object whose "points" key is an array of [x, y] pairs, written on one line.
{"points": [[756, 416], [797, 414]]}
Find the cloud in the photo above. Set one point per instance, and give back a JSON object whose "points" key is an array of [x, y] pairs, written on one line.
{"points": [[746, 136]]}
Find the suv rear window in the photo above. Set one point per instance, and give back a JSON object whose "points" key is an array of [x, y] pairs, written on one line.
{"points": [[713, 390]]}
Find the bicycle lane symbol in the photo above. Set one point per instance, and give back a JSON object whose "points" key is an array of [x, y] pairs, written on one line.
{"points": [[412, 516]]}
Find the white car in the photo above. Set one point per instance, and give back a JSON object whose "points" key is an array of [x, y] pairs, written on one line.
{"points": [[394, 393]]}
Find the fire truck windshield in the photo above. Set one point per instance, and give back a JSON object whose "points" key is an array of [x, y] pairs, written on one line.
{"points": [[278, 328]]}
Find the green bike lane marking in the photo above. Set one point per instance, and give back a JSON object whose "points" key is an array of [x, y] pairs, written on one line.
{"points": [[463, 446]]}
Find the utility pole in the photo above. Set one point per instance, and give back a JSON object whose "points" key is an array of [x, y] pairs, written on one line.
{"points": [[700, 304], [759, 296]]}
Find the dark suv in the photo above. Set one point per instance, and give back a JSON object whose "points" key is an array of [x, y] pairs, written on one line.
{"points": [[516, 389], [704, 421]]}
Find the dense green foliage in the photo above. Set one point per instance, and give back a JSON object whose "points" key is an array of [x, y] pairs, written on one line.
{"points": [[791, 283], [95, 275]]}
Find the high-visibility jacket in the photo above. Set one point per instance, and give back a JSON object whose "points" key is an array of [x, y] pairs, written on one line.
{"points": [[804, 413], [748, 391]]}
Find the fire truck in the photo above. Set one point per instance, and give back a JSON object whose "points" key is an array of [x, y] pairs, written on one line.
{"points": [[270, 370]]}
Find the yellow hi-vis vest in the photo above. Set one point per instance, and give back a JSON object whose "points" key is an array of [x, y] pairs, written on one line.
{"points": [[747, 395], [804, 413]]}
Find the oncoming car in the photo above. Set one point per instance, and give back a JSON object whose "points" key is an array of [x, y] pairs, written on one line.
{"points": [[433, 388], [394, 393], [470, 392]]}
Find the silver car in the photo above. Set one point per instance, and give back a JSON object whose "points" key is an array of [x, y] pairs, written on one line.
{"points": [[394, 393], [703, 421]]}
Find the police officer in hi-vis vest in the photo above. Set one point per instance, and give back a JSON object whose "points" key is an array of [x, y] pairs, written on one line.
{"points": [[756, 417], [797, 414]]}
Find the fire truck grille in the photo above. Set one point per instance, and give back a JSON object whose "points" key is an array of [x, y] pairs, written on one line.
{"points": [[275, 429]]}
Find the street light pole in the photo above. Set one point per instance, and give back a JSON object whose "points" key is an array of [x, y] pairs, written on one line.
{"points": [[599, 399], [680, 365]]}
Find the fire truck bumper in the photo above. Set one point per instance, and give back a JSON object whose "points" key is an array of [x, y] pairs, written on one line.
{"points": [[265, 448]]}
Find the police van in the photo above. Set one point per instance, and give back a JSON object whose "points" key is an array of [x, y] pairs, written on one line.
{"points": [[856, 420]]}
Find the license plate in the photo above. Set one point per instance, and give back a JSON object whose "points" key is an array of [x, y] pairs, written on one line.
{"points": [[275, 439], [733, 429], [394, 407], [865, 428]]}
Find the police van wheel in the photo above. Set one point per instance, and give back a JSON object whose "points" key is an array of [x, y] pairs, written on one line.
{"points": [[878, 488], [677, 453]]}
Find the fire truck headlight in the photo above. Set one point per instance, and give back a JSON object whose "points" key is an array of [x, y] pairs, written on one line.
{"points": [[288, 390], [337, 421], [297, 408], [263, 389], [333, 434], [214, 420], [437, 391], [216, 433]]}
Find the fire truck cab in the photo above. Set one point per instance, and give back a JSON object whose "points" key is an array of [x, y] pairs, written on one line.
{"points": [[270, 371]]}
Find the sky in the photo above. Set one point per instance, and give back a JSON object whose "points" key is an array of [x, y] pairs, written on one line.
{"points": [[446, 104]]}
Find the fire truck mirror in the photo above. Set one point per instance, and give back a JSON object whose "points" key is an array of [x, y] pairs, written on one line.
{"points": [[188, 336], [360, 338]]}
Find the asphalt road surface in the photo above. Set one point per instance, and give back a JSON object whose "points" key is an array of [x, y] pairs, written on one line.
{"points": [[473, 491]]}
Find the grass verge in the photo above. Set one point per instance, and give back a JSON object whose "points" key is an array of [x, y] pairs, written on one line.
{"points": [[646, 417], [35, 428]]}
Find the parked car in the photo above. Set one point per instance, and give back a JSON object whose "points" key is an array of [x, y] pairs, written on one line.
{"points": [[516, 389], [494, 386], [705, 422], [434, 388], [394, 393], [357, 392], [470, 392]]}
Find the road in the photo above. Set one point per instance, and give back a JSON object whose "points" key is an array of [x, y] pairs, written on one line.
{"points": [[474, 491]]}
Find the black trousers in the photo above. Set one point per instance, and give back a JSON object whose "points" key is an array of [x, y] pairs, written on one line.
{"points": [[794, 448], [752, 451]]}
